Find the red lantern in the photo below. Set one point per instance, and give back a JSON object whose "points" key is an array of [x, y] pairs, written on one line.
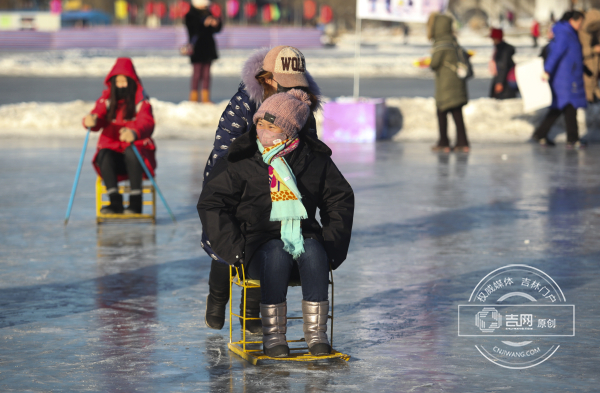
{"points": [[184, 8], [326, 14], [310, 9], [215, 9], [233, 7], [160, 9], [251, 10], [266, 13], [149, 9], [173, 11]]}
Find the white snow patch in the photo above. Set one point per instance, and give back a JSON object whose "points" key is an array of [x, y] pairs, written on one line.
{"points": [[186, 120], [486, 120]]}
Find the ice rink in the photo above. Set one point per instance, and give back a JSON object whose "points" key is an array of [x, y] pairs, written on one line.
{"points": [[120, 307]]}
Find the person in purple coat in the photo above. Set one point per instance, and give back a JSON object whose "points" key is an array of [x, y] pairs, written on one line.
{"points": [[564, 69]]}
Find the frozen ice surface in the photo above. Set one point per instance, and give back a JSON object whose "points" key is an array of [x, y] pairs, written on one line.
{"points": [[112, 308]]}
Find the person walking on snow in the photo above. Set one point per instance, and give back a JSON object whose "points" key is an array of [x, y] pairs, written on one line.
{"points": [[201, 25], [124, 115], [564, 69], [266, 72], [535, 32], [450, 89], [502, 67], [258, 207]]}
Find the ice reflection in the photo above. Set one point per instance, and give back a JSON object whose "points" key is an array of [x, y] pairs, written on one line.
{"points": [[126, 299]]}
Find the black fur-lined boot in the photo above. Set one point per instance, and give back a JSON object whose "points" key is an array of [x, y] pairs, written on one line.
{"points": [[116, 204], [135, 204]]}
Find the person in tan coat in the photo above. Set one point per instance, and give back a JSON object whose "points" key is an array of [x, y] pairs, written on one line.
{"points": [[451, 92], [589, 36]]}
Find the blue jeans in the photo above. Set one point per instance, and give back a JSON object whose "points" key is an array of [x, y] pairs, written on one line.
{"points": [[274, 267]]}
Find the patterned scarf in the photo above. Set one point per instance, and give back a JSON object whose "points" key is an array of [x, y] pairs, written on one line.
{"points": [[285, 196]]}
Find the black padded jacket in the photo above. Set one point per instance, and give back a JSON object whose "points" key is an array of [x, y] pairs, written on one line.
{"points": [[235, 204]]}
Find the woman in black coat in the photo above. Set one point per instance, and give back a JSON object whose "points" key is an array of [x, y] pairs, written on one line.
{"points": [[259, 206], [201, 25]]}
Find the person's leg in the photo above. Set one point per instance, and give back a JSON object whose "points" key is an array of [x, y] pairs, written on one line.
{"points": [[218, 296], [541, 133], [135, 172], [111, 163], [253, 300], [107, 161], [571, 123], [313, 265], [253, 295], [274, 266], [443, 142], [195, 82], [461, 133], [205, 79], [314, 271]]}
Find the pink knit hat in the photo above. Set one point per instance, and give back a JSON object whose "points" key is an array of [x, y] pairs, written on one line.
{"points": [[288, 111]]}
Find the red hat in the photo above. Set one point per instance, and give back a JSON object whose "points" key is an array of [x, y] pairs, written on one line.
{"points": [[496, 34]]}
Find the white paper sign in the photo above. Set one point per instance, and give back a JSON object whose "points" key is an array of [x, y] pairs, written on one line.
{"points": [[399, 10], [536, 92]]}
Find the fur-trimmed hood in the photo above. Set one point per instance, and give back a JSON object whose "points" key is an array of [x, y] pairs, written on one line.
{"points": [[254, 65], [245, 146]]}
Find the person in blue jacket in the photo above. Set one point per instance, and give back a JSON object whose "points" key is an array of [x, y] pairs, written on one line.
{"points": [[265, 73], [564, 69]]}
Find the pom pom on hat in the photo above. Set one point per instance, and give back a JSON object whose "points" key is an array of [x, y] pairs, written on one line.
{"points": [[288, 111], [300, 95]]}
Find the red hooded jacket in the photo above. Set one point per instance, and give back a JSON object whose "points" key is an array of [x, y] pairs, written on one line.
{"points": [[142, 124]]}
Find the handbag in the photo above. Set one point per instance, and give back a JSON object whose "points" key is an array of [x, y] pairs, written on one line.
{"points": [[186, 50]]}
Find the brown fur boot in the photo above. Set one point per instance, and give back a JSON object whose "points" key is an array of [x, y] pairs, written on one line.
{"points": [[194, 96]]}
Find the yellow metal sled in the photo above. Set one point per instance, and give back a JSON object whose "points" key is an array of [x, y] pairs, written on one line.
{"points": [[251, 351], [101, 201]]}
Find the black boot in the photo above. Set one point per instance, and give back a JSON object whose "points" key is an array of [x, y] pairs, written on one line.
{"points": [[116, 204], [218, 283], [253, 326], [135, 205], [215, 312]]}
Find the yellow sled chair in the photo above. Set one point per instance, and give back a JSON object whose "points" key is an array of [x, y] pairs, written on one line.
{"points": [[251, 351], [102, 200]]}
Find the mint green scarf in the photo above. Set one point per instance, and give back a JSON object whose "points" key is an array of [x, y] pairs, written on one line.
{"points": [[285, 197]]}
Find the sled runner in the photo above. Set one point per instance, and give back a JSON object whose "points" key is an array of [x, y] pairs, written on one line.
{"points": [[251, 351], [102, 200]]}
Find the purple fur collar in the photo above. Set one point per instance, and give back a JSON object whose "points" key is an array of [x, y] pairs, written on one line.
{"points": [[253, 66]]}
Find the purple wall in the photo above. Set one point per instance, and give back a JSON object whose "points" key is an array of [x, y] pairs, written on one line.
{"points": [[163, 38]]}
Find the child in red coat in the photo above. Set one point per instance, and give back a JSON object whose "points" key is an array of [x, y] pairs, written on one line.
{"points": [[124, 115]]}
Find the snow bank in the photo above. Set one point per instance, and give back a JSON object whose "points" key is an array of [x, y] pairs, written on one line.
{"points": [[486, 120], [187, 120], [409, 119]]}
